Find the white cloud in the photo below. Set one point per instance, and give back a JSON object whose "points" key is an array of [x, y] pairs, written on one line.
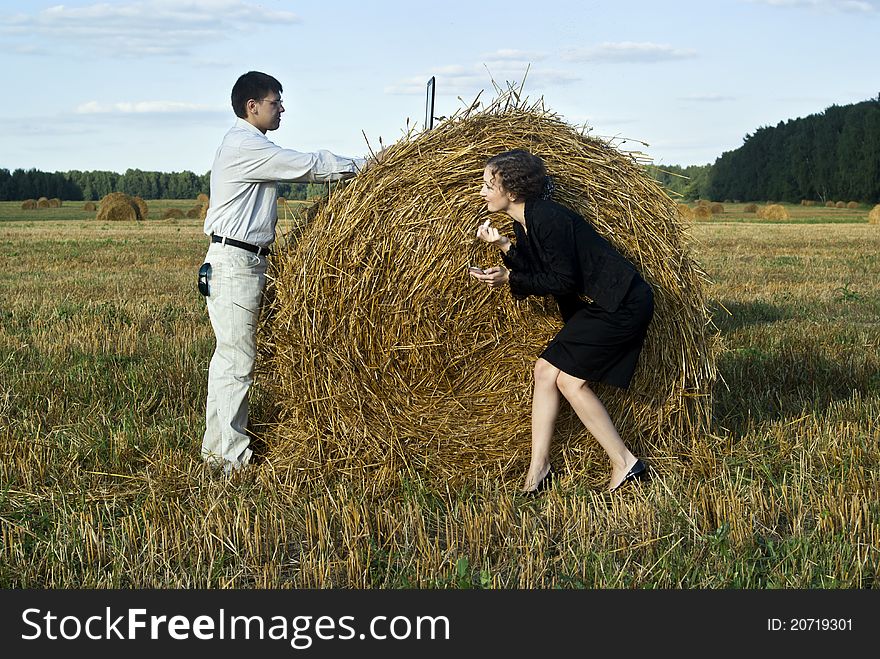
{"points": [[516, 55], [142, 107], [628, 51], [861, 6], [23, 49], [469, 80], [142, 27]]}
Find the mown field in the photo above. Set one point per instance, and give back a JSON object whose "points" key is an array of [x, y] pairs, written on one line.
{"points": [[104, 347]]}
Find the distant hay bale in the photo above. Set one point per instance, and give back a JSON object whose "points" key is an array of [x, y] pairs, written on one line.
{"points": [[773, 212], [202, 198], [750, 208], [853, 205], [874, 215], [42, 202], [89, 206], [702, 212], [54, 202], [172, 214], [382, 359], [28, 204], [807, 202], [840, 204], [685, 212], [715, 208], [829, 204], [143, 210], [194, 212], [203, 213], [118, 207]]}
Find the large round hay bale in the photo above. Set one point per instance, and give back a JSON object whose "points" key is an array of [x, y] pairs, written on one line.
{"points": [[90, 206], [43, 202], [750, 208], [382, 358], [773, 212], [829, 204], [685, 212], [28, 204], [172, 214], [54, 202], [118, 207], [194, 212], [202, 198], [874, 215], [715, 208], [840, 204], [853, 205]]}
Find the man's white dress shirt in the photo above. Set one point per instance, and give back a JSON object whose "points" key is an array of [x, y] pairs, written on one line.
{"points": [[246, 167]]}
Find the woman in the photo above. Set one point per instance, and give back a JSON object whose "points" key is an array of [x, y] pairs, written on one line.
{"points": [[557, 252]]}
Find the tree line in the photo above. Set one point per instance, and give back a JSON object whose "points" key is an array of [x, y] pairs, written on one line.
{"points": [[686, 182], [75, 185], [830, 156]]}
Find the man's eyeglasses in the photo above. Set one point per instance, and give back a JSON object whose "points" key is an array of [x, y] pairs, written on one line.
{"points": [[276, 104]]}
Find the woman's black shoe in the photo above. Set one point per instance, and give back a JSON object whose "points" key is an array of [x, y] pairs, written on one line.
{"points": [[638, 471], [544, 484]]}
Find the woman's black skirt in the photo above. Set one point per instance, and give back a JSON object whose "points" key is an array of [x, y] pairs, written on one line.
{"points": [[601, 346]]}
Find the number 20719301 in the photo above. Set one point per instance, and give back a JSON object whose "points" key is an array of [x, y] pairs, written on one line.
{"points": [[809, 624]]}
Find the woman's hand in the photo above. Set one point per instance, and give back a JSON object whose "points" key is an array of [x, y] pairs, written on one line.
{"points": [[489, 234], [495, 276]]}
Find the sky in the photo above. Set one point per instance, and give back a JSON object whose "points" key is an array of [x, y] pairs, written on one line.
{"points": [[145, 84]]}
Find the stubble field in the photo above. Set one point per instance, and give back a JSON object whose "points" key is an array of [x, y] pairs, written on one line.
{"points": [[104, 347]]}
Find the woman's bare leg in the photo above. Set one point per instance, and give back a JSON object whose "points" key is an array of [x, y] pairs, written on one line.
{"points": [[545, 409], [594, 416]]}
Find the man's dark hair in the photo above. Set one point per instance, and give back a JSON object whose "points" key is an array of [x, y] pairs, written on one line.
{"points": [[252, 84], [521, 173]]}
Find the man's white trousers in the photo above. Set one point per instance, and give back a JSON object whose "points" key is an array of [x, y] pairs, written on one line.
{"points": [[235, 294]]}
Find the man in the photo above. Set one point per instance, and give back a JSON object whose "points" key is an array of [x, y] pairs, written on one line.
{"points": [[241, 222]]}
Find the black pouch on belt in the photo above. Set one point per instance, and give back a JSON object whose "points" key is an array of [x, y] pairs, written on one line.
{"points": [[204, 277]]}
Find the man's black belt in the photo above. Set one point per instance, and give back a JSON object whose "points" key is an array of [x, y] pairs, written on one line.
{"points": [[256, 249]]}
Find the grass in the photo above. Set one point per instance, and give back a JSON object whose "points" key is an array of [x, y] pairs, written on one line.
{"points": [[104, 347]]}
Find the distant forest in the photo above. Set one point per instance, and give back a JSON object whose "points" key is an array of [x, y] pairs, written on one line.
{"points": [[682, 182], [830, 156], [75, 185]]}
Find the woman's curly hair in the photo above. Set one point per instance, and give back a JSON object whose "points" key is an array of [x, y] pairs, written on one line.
{"points": [[521, 173]]}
